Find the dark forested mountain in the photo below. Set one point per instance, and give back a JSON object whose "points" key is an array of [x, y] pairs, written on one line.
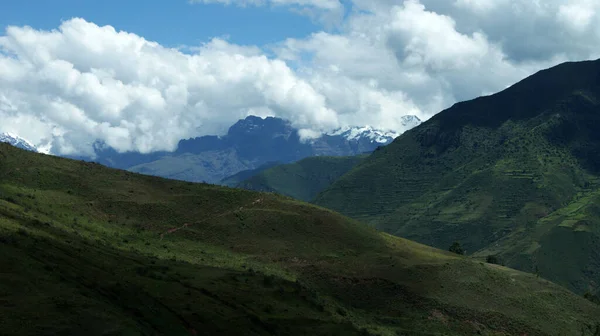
{"points": [[514, 175]]}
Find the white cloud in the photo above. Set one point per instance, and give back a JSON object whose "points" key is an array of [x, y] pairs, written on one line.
{"points": [[577, 16], [84, 82], [81, 82]]}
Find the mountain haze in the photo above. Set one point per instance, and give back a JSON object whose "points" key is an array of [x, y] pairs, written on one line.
{"points": [[248, 144], [515, 174]]}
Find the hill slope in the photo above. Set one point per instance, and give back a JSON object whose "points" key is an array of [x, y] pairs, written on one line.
{"points": [[304, 179], [514, 174], [90, 250], [235, 179]]}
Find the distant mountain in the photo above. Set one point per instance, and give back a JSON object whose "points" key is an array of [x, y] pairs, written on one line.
{"points": [[249, 144], [17, 142], [304, 179], [368, 132], [514, 175]]}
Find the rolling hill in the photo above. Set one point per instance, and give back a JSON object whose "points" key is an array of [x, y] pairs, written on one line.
{"points": [[304, 179], [96, 251], [514, 175]]}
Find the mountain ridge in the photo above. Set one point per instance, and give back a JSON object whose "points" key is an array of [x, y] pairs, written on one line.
{"points": [[248, 144], [17, 141], [492, 173], [303, 179]]}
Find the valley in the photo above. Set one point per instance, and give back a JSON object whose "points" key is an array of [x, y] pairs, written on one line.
{"points": [[512, 175], [103, 251], [300, 168]]}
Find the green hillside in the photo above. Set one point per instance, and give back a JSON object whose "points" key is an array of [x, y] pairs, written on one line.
{"points": [[95, 251], [235, 179], [514, 174], [304, 179]]}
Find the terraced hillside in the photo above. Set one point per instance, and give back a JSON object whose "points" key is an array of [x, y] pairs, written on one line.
{"points": [[514, 175], [90, 250], [304, 179]]}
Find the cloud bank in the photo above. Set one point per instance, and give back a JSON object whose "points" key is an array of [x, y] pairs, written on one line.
{"points": [[66, 88]]}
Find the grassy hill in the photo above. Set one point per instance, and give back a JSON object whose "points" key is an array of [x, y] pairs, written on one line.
{"points": [[304, 179], [95, 251], [235, 179], [515, 174]]}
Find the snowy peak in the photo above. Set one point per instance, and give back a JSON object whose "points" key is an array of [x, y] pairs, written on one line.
{"points": [[365, 132], [17, 142], [410, 121], [375, 135]]}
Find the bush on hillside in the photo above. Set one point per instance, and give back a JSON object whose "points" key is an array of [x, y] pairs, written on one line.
{"points": [[456, 248], [493, 259], [592, 297]]}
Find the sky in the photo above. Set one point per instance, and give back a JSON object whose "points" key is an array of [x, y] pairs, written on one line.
{"points": [[141, 75]]}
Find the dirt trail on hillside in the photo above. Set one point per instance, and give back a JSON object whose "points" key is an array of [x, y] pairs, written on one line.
{"points": [[173, 230]]}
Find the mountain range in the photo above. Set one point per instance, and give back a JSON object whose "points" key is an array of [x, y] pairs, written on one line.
{"points": [[248, 144], [515, 175], [506, 180], [88, 250]]}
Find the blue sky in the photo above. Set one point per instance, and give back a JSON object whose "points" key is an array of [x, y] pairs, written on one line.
{"points": [[71, 81], [169, 22]]}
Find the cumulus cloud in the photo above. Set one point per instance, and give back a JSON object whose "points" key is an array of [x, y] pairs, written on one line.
{"points": [[84, 82], [66, 88]]}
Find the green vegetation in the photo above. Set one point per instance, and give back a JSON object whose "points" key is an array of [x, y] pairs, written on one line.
{"points": [[95, 251], [235, 179], [304, 179], [592, 297], [456, 248], [515, 175], [492, 259]]}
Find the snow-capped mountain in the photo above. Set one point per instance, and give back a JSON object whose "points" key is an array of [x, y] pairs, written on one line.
{"points": [[375, 135], [17, 142], [365, 132], [249, 143], [410, 121]]}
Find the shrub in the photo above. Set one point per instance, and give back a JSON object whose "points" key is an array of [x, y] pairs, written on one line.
{"points": [[456, 248], [492, 259], [592, 297], [268, 280]]}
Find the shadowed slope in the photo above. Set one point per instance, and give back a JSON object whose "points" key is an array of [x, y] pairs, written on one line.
{"points": [[501, 174], [99, 251]]}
